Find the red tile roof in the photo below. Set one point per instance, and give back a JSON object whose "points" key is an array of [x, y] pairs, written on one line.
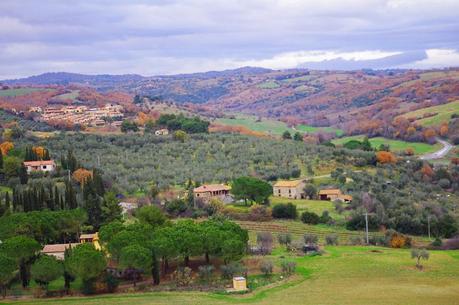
{"points": [[39, 163], [56, 248], [211, 188]]}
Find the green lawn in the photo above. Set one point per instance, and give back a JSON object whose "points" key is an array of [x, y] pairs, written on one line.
{"points": [[316, 206], [271, 126], [395, 145], [4, 189], [344, 275], [443, 114], [311, 129], [71, 95], [20, 91], [268, 85]]}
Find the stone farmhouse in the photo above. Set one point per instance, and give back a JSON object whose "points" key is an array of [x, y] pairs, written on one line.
{"points": [[209, 191], [289, 189]]}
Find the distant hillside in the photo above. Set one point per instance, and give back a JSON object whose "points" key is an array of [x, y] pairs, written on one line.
{"points": [[357, 101], [102, 82]]}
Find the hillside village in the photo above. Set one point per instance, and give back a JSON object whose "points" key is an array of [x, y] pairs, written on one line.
{"points": [[81, 115]]}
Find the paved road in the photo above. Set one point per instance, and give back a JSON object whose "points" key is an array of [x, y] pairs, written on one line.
{"points": [[439, 153]]}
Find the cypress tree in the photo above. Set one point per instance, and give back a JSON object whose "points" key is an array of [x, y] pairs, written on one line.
{"points": [[7, 200], [70, 196], [1, 160], [23, 177], [15, 200], [57, 203], [46, 155]]}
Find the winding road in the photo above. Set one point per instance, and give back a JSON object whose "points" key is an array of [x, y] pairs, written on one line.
{"points": [[439, 153]]}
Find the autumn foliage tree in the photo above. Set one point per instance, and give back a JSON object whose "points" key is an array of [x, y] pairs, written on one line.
{"points": [[6, 147], [82, 175], [385, 157]]}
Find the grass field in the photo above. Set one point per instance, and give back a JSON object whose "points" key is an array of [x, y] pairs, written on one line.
{"points": [[71, 95], [442, 113], [20, 91], [395, 145], [271, 126], [268, 85], [316, 206], [343, 275]]}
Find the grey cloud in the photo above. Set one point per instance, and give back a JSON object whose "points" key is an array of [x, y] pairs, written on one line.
{"points": [[189, 35]]}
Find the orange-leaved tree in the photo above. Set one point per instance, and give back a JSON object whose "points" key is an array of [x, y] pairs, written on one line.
{"points": [[6, 147], [82, 175], [384, 157]]}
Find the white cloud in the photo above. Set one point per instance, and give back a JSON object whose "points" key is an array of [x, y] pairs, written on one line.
{"points": [[438, 58], [293, 59]]}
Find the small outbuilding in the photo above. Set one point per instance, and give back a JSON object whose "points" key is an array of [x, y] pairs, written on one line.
{"points": [[334, 194], [239, 283]]}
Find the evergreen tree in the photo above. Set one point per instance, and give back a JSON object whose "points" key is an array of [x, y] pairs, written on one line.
{"points": [[70, 196], [98, 182], [7, 200], [46, 155], [57, 203], [92, 205], [23, 177], [1, 160]]}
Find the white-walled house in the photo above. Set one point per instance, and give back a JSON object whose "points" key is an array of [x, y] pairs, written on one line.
{"points": [[41, 166]]}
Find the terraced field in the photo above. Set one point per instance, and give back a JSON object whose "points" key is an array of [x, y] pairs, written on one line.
{"points": [[298, 229]]}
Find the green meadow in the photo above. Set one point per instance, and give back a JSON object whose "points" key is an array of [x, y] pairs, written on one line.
{"points": [[344, 275], [395, 145], [272, 126], [20, 91], [442, 114]]}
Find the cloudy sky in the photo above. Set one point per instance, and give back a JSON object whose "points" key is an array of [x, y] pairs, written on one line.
{"points": [[180, 36]]}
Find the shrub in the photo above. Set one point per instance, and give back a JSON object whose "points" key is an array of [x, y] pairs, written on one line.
{"points": [[325, 218], [265, 242], [444, 183], [310, 218], [283, 210], [232, 269], [266, 267], [331, 239], [111, 282], [451, 244], [284, 239], [355, 240], [288, 267], [395, 239], [260, 212], [310, 239], [182, 276], [437, 242], [205, 272], [176, 207]]}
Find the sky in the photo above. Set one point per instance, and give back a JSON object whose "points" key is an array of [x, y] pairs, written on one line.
{"points": [[159, 37]]}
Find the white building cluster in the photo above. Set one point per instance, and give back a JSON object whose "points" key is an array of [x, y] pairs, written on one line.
{"points": [[80, 114]]}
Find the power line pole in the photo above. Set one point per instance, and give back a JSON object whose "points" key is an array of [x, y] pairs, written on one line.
{"points": [[428, 225], [366, 226]]}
